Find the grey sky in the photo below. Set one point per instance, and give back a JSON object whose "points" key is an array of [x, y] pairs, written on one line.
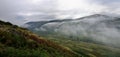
{"points": [[20, 11]]}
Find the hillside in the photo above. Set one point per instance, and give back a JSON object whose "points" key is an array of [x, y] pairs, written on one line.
{"points": [[96, 28], [40, 23], [19, 42], [92, 36]]}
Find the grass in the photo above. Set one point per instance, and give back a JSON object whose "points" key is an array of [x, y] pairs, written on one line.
{"points": [[19, 42], [86, 48]]}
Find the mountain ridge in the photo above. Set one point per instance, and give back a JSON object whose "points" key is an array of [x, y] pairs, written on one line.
{"points": [[50, 21], [90, 26], [94, 35]]}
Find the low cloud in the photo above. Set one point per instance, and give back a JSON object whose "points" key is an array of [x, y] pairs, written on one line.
{"points": [[37, 10]]}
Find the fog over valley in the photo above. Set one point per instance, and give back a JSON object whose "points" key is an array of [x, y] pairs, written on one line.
{"points": [[59, 28]]}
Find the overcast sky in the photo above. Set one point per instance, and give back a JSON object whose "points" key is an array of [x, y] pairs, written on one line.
{"points": [[20, 11]]}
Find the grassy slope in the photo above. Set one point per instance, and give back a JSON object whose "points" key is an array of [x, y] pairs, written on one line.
{"points": [[19, 42], [85, 48]]}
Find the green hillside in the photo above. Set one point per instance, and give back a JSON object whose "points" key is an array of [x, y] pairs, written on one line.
{"points": [[19, 42], [90, 36], [85, 48]]}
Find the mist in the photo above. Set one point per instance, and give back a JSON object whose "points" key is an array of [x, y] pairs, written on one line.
{"points": [[60, 28], [20, 12], [101, 28]]}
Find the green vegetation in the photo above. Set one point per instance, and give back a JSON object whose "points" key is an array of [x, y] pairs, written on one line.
{"points": [[19, 42], [83, 36], [88, 49]]}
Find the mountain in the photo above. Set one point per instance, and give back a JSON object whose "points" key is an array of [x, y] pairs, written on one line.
{"points": [[97, 27], [88, 19], [32, 25], [94, 35], [20, 42]]}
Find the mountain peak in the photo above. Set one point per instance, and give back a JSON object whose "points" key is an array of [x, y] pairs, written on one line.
{"points": [[97, 16]]}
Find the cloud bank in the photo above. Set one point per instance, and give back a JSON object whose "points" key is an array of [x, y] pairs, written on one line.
{"points": [[20, 11]]}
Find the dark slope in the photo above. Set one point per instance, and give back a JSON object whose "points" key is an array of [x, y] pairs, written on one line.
{"points": [[40, 23], [19, 42]]}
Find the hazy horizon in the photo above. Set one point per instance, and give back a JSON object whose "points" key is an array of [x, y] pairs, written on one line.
{"points": [[20, 11]]}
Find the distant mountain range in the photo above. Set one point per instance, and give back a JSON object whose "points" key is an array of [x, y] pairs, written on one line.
{"points": [[97, 28], [32, 25], [82, 37], [92, 36]]}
